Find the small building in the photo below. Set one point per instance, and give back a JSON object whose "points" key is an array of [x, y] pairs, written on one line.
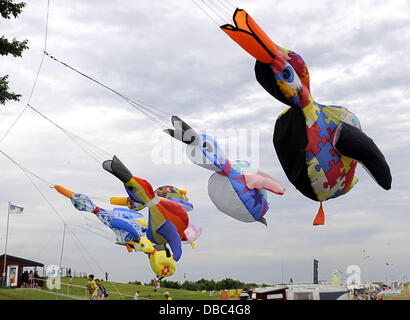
{"points": [[302, 292], [14, 269], [269, 293]]}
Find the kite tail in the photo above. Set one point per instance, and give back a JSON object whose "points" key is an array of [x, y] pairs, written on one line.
{"points": [[320, 217]]}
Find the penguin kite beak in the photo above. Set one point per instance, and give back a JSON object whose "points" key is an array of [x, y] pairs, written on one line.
{"points": [[64, 191], [182, 131], [247, 34]]}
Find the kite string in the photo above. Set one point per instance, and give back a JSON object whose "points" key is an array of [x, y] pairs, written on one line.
{"points": [[206, 13], [155, 114], [35, 80], [95, 152], [49, 184], [224, 4], [215, 9], [95, 262], [221, 9]]}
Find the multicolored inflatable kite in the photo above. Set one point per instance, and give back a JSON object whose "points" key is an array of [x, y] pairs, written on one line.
{"points": [[236, 188], [174, 194], [318, 145], [168, 192], [167, 220], [126, 224]]}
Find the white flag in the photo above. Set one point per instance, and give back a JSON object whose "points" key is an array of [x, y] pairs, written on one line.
{"points": [[15, 209]]}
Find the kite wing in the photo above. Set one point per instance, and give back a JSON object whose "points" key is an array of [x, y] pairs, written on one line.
{"points": [[260, 180]]}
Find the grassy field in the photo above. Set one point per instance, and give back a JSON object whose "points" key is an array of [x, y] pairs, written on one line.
{"points": [[27, 294], [124, 291], [405, 295], [117, 291]]}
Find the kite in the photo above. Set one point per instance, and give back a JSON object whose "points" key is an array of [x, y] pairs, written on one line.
{"points": [[318, 145], [168, 192], [125, 223], [174, 194], [167, 220], [236, 188], [160, 258], [129, 230]]}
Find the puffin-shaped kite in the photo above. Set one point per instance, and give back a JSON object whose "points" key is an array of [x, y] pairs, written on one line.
{"points": [[126, 224], [174, 194], [167, 220], [318, 145], [236, 188]]}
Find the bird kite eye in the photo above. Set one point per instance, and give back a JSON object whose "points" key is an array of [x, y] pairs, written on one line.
{"points": [[208, 147], [288, 74], [143, 245], [77, 205], [131, 188]]}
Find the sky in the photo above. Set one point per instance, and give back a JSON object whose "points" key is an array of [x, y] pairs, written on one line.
{"points": [[171, 55]]}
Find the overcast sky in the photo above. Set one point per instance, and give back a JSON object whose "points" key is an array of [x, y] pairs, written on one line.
{"points": [[169, 54]]}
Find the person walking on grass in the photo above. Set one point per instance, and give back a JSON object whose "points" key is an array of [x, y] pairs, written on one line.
{"points": [[100, 290], [92, 287]]}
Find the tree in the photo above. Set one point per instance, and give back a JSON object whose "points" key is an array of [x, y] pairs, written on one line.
{"points": [[9, 8]]}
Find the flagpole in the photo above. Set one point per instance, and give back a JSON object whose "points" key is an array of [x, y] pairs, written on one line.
{"points": [[5, 250], [61, 259]]}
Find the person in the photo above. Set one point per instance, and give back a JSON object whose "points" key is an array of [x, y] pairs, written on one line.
{"points": [[156, 285], [149, 297], [106, 276], [137, 295], [24, 279], [30, 279], [167, 296], [36, 279], [100, 290], [92, 287]]}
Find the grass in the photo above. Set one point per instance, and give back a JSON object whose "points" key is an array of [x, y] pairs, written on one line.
{"points": [[28, 294], [117, 291], [125, 291], [405, 295]]}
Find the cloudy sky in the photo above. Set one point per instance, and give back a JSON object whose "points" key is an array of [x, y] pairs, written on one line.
{"points": [[171, 55]]}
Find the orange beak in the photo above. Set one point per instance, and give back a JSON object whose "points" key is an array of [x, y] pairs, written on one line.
{"points": [[64, 191], [253, 39]]}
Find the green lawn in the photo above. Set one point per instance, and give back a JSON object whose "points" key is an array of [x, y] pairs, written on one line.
{"points": [[117, 291], [27, 294]]}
